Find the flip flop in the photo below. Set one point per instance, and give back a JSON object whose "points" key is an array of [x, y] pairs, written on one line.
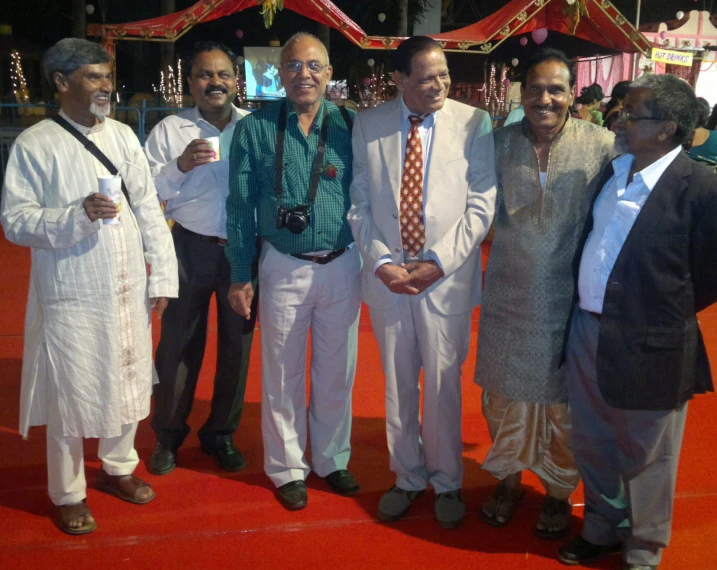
{"points": [[125, 487], [508, 496], [557, 514], [69, 513]]}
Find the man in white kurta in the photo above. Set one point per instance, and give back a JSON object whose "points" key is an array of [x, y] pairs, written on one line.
{"points": [[87, 367]]}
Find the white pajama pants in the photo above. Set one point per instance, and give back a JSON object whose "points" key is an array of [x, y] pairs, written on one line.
{"points": [[65, 458], [298, 296], [413, 335]]}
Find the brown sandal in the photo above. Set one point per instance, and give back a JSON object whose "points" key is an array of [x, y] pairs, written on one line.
{"points": [[555, 515], [70, 513], [503, 500], [126, 487]]}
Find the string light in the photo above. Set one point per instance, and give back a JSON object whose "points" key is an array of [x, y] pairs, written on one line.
{"points": [[19, 85], [171, 89]]}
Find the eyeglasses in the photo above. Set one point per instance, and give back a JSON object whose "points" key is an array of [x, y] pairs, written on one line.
{"points": [[296, 66], [630, 117]]}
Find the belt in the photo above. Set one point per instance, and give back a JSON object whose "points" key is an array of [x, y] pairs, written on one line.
{"points": [[211, 239], [322, 259], [598, 316]]}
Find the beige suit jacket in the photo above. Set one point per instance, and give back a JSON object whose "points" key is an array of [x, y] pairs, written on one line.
{"points": [[460, 188]]}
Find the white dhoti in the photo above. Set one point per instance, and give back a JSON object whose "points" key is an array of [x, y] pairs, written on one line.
{"points": [[298, 296], [413, 334]]}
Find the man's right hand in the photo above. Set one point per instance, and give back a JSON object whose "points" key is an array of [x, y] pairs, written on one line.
{"points": [[240, 296], [392, 276], [197, 153], [99, 207]]}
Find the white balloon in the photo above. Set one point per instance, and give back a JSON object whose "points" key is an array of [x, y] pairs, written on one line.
{"points": [[382, 17], [240, 59], [371, 62], [680, 15], [515, 62], [90, 9]]}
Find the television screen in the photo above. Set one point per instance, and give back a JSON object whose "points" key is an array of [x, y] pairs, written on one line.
{"points": [[261, 67]]}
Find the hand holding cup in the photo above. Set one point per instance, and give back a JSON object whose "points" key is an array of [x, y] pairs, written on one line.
{"points": [[197, 153]]}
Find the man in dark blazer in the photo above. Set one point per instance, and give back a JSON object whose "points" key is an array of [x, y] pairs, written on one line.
{"points": [[635, 354]]}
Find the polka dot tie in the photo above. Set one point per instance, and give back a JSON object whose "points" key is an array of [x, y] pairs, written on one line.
{"points": [[413, 232]]}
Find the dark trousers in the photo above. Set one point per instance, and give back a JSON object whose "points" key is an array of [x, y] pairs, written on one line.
{"points": [[203, 271]]}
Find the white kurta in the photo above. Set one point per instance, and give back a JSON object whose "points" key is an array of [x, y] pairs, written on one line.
{"points": [[88, 322]]}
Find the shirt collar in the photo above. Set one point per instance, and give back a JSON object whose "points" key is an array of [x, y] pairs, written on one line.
{"points": [[82, 128], [650, 174], [196, 117], [406, 112], [292, 115]]}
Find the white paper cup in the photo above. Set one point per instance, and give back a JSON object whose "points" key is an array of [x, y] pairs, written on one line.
{"points": [[216, 147], [111, 186]]}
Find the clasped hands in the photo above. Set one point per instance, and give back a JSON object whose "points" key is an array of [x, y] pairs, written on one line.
{"points": [[409, 278]]}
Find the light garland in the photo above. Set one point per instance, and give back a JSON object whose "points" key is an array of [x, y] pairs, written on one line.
{"points": [[19, 85], [171, 89]]}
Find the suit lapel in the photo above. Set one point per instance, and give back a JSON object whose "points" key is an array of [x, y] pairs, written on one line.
{"points": [[443, 146], [673, 181], [389, 135]]}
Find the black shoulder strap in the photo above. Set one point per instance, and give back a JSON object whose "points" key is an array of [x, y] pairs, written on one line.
{"points": [[347, 117], [92, 148]]}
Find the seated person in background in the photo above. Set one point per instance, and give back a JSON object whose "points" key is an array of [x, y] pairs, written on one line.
{"points": [[590, 100], [704, 143], [614, 105]]}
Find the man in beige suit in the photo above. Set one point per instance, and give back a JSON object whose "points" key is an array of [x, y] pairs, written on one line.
{"points": [[422, 198]]}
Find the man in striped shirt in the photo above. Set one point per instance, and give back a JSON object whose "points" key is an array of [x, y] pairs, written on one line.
{"points": [[308, 270]]}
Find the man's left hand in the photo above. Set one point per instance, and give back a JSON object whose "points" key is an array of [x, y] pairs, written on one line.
{"points": [[159, 304], [422, 274]]}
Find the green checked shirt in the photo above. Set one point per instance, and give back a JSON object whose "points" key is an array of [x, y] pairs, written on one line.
{"points": [[252, 204]]}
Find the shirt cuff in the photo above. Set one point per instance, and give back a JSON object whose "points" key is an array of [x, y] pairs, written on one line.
{"points": [[383, 260], [433, 256]]}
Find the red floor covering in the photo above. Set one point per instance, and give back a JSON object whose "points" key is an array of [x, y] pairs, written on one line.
{"points": [[206, 518]]}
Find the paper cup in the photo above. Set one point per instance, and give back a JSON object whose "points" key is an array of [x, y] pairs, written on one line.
{"points": [[111, 186], [216, 147]]}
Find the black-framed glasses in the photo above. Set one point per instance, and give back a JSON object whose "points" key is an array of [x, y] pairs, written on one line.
{"points": [[630, 117], [296, 66]]}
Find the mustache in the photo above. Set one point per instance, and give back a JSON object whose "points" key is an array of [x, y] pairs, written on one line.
{"points": [[208, 90]]}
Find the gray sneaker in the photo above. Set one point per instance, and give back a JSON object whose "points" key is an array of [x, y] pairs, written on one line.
{"points": [[395, 504], [450, 509]]}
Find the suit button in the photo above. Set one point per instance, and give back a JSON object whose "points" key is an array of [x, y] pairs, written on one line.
{"points": [[395, 216], [397, 250]]}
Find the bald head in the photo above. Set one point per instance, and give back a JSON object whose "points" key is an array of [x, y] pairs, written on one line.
{"points": [[304, 37]]}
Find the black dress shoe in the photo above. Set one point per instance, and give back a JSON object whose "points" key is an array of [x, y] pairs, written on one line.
{"points": [[294, 495], [342, 482], [227, 455], [629, 566], [580, 551], [163, 460]]}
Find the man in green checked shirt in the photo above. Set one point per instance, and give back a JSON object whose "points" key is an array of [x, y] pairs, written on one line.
{"points": [[308, 269]]}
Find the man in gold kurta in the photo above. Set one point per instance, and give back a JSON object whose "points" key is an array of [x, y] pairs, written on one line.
{"points": [[548, 167]]}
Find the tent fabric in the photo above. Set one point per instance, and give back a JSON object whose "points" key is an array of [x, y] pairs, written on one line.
{"points": [[172, 26], [597, 21]]}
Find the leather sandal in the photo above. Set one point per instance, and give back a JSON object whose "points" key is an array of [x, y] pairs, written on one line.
{"points": [[503, 501], [126, 487], [69, 513], [555, 515]]}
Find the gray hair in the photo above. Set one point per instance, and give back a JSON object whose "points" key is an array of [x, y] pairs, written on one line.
{"points": [[671, 99], [68, 55], [300, 36]]}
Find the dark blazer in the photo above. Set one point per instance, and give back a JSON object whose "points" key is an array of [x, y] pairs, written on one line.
{"points": [[650, 353]]}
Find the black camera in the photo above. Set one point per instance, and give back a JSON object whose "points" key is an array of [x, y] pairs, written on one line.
{"points": [[296, 220]]}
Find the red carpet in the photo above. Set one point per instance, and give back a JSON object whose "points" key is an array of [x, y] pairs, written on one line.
{"points": [[206, 518]]}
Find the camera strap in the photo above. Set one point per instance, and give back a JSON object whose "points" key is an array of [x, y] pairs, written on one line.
{"points": [[94, 151], [317, 167]]}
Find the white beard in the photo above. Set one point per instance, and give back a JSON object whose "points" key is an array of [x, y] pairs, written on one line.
{"points": [[100, 111]]}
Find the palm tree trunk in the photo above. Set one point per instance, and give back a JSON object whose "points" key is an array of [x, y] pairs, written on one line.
{"points": [[79, 19], [402, 31]]}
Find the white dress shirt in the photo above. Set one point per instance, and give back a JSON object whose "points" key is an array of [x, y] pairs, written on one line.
{"points": [[614, 214], [425, 131], [195, 199]]}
